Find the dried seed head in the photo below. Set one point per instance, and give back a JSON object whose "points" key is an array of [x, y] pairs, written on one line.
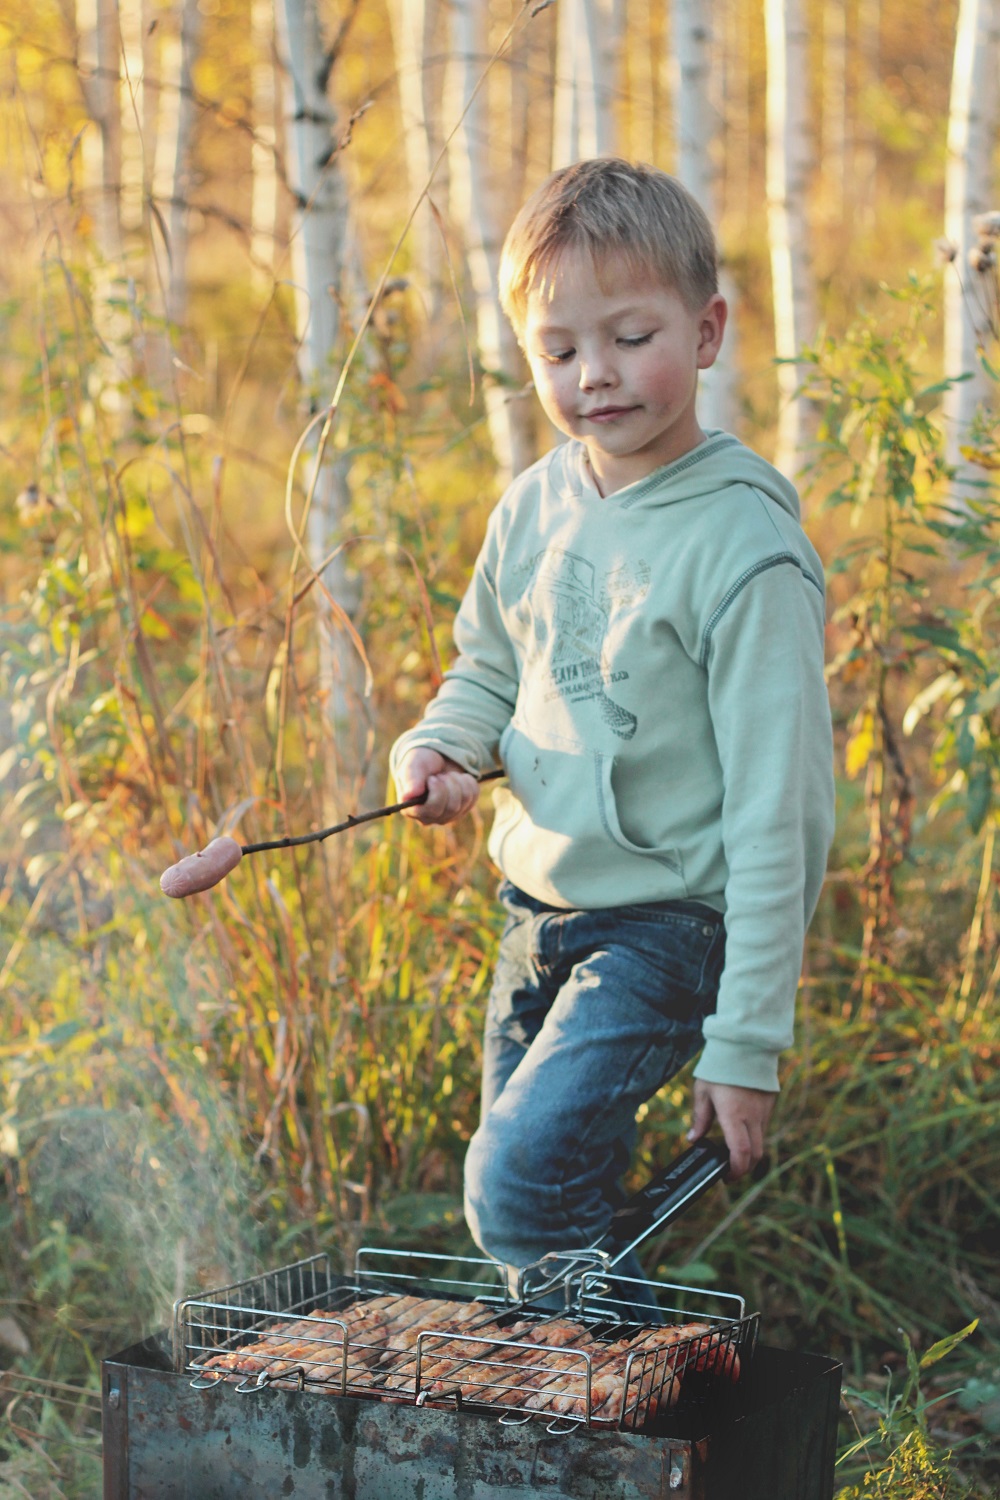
{"points": [[987, 226], [982, 258], [946, 251]]}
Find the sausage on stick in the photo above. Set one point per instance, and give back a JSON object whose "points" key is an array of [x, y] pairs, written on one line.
{"points": [[199, 872]]}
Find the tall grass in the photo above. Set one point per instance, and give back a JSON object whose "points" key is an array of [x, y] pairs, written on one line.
{"points": [[195, 1090]]}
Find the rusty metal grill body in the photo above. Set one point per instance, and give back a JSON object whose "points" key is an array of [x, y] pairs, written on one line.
{"points": [[499, 1359], [165, 1441], [280, 1386]]}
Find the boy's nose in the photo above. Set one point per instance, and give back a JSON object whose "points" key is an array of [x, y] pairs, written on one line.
{"points": [[595, 373]]}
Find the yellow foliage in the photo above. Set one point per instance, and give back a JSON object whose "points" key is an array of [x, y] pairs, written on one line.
{"points": [[914, 1471], [860, 745]]}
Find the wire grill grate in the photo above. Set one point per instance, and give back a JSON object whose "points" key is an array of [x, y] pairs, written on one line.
{"points": [[427, 1330]]}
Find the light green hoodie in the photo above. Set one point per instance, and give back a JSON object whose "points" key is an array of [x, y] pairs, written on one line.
{"points": [[648, 668]]}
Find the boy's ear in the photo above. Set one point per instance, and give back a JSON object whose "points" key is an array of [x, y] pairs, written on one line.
{"points": [[711, 328]]}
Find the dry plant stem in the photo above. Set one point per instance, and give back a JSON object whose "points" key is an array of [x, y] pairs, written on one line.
{"points": [[351, 822]]}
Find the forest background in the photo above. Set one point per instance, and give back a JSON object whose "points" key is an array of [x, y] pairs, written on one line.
{"points": [[256, 405]]}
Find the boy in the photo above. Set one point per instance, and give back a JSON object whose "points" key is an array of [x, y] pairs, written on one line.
{"points": [[641, 646]]}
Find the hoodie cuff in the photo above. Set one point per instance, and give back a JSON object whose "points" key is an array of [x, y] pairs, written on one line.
{"points": [[740, 1067]]}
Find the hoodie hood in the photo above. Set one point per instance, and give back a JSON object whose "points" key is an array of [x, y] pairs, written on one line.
{"points": [[718, 462]]}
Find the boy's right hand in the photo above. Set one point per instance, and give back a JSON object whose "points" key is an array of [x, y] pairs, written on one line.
{"points": [[450, 790]]}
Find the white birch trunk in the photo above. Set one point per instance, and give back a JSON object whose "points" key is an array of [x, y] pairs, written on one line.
{"points": [[165, 136], [788, 169], [132, 108], [97, 42], [99, 50], [413, 31], [698, 129], [582, 124], [319, 245], [968, 191], [152, 101], [178, 220], [510, 416], [263, 165]]}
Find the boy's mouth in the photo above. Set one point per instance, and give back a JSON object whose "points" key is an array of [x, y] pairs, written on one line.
{"points": [[608, 413]]}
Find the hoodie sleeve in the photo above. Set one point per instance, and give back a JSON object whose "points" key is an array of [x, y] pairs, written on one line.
{"points": [[763, 649], [475, 701]]}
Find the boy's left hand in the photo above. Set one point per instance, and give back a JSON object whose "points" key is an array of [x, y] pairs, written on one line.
{"points": [[743, 1115]]}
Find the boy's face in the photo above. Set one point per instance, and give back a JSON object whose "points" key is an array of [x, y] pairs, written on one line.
{"points": [[616, 362]]}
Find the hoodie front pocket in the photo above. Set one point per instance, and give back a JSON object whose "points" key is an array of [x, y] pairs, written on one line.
{"points": [[559, 814], [612, 826]]}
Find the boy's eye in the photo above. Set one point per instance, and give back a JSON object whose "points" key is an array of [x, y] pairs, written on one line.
{"points": [[634, 343], [558, 356]]}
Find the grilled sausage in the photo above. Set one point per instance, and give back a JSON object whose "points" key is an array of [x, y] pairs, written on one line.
{"points": [[199, 872]]}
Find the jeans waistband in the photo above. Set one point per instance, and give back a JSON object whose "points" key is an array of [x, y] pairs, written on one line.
{"points": [[686, 908]]}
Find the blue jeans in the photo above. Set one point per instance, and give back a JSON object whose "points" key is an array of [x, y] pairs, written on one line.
{"points": [[590, 1013]]}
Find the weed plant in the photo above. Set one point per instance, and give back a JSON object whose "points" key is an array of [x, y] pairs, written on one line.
{"points": [[194, 1091]]}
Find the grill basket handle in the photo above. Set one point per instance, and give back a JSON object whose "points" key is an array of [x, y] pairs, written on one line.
{"points": [[674, 1188]]}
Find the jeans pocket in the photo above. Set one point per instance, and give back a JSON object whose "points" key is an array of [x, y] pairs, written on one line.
{"points": [[686, 952]]}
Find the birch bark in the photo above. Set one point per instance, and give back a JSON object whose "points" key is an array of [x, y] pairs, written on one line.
{"points": [[413, 32], [97, 35], [99, 51], [475, 199], [698, 129], [180, 189], [582, 122], [132, 108], [968, 191], [788, 168], [319, 240]]}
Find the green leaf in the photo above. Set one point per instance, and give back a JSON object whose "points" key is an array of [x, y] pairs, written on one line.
{"points": [[965, 745], [946, 1345], [945, 638], [979, 798]]}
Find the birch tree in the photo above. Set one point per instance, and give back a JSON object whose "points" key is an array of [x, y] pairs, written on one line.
{"points": [[968, 192], [131, 206], [475, 200], [180, 135], [698, 129], [319, 241], [788, 170], [582, 122], [97, 43], [99, 72], [413, 32]]}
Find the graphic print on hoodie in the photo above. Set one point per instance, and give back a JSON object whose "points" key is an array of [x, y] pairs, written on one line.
{"points": [[571, 611]]}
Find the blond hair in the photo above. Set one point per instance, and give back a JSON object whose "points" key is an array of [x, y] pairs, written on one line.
{"points": [[618, 212]]}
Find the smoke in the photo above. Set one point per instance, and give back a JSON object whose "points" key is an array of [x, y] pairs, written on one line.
{"points": [[137, 1213]]}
